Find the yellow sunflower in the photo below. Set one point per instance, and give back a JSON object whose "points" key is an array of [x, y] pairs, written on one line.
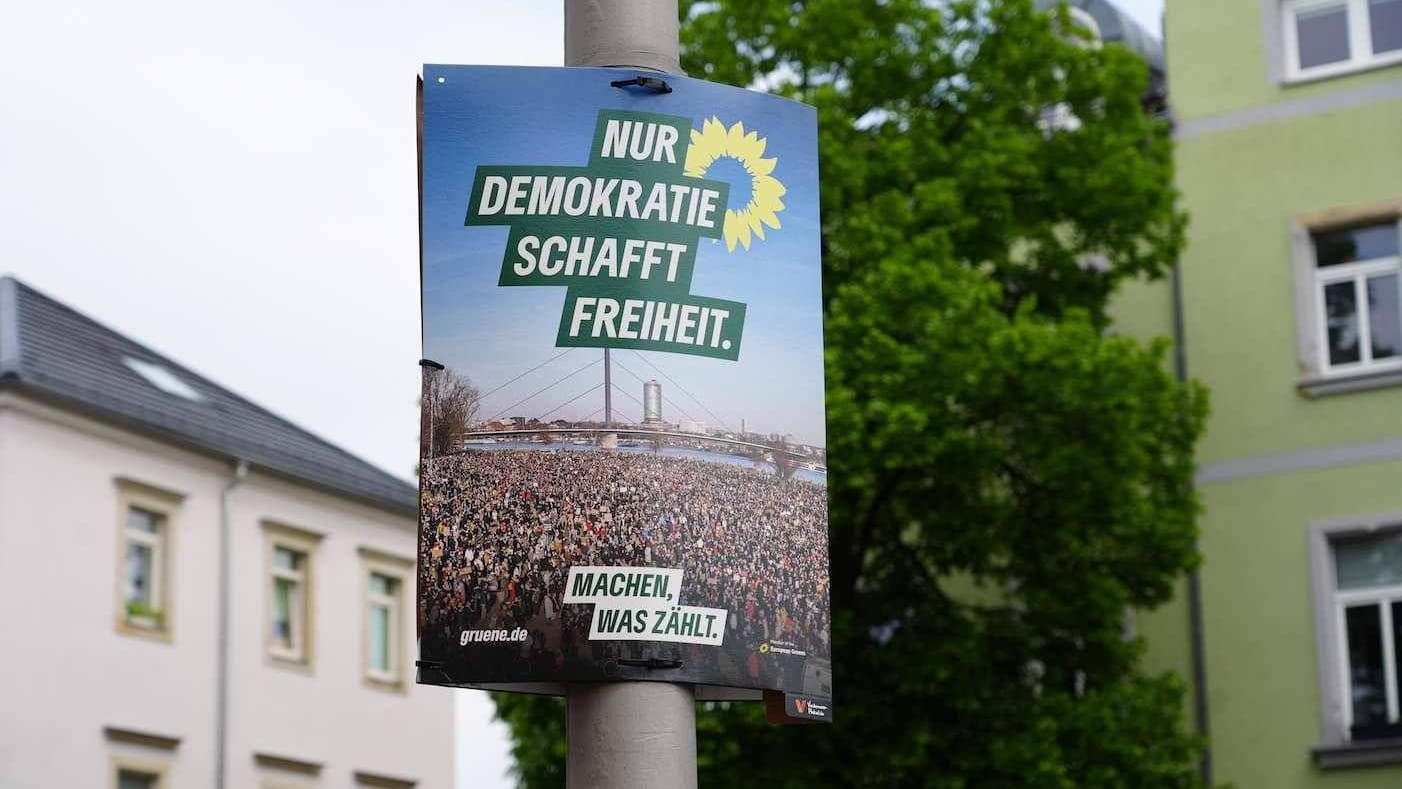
{"points": [[713, 141]]}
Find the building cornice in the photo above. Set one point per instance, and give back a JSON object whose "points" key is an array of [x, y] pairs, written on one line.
{"points": [[1290, 109], [1312, 459]]}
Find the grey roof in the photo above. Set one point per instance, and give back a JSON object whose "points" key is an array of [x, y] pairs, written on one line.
{"points": [[61, 356]]}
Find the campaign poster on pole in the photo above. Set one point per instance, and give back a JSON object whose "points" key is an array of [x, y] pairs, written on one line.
{"points": [[623, 450]]}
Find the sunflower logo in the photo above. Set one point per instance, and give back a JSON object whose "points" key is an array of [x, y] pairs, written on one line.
{"points": [[719, 151]]}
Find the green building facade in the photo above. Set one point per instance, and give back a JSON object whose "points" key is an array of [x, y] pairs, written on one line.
{"points": [[1289, 153]]}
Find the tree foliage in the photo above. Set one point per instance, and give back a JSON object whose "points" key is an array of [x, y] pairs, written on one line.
{"points": [[451, 403], [929, 115], [1008, 478], [785, 464]]}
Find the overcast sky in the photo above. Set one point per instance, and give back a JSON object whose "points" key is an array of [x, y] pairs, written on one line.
{"points": [[234, 185], [1148, 13]]}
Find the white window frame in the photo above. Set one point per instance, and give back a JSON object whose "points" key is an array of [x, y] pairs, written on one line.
{"points": [[1360, 41], [305, 543], [295, 579], [1317, 376], [154, 543], [165, 505], [399, 570], [390, 604], [1331, 631], [1382, 598], [1357, 273]]}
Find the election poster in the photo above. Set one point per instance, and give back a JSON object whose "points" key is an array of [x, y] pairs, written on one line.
{"points": [[623, 466]]}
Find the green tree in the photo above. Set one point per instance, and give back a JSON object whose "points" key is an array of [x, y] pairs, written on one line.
{"points": [[1008, 478]]}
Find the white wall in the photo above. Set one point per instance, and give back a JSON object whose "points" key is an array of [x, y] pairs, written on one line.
{"points": [[65, 671]]}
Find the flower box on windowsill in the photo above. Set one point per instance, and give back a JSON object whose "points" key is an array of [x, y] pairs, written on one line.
{"points": [[141, 616]]}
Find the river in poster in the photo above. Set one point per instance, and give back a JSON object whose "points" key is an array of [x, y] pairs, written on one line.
{"points": [[623, 454]]}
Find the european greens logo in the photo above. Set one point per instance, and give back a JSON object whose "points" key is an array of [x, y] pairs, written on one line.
{"points": [[715, 144], [621, 232]]}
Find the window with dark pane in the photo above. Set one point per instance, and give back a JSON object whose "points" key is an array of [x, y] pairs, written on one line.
{"points": [[1321, 34], [1369, 562], [1385, 23], [1359, 272], [1341, 316], [1385, 336], [1351, 245], [1368, 574], [135, 779], [1367, 681]]}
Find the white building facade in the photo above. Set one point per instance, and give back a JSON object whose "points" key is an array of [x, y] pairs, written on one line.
{"points": [[116, 529]]}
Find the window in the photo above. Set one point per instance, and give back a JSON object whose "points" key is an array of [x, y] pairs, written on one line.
{"points": [[385, 584], [137, 779], [1368, 577], [132, 770], [1358, 289], [1356, 578], [145, 567], [383, 613], [162, 378], [289, 602], [289, 553], [144, 557], [1327, 37]]}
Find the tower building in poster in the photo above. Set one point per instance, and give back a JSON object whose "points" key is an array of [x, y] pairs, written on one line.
{"points": [[652, 402]]}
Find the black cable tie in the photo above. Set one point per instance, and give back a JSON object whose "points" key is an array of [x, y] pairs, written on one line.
{"points": [[649, 83], [429, 664], [650, 663]]}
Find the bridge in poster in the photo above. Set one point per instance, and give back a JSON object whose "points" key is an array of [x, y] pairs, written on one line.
{"points": [[656, 432], [465, 439]]}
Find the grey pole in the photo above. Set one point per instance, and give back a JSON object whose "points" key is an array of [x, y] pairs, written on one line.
{"points": [[629, 33], [631, 735], [628, 735], [221, 709]]}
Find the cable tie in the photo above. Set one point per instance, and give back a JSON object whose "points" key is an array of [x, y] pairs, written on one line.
{"points": [[647, 83]]}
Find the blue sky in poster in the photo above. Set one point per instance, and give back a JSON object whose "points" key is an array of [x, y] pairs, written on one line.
{"points": [[542, 116]]}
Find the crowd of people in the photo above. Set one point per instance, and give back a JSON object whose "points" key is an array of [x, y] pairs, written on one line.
{"points": [[502, 527]]}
